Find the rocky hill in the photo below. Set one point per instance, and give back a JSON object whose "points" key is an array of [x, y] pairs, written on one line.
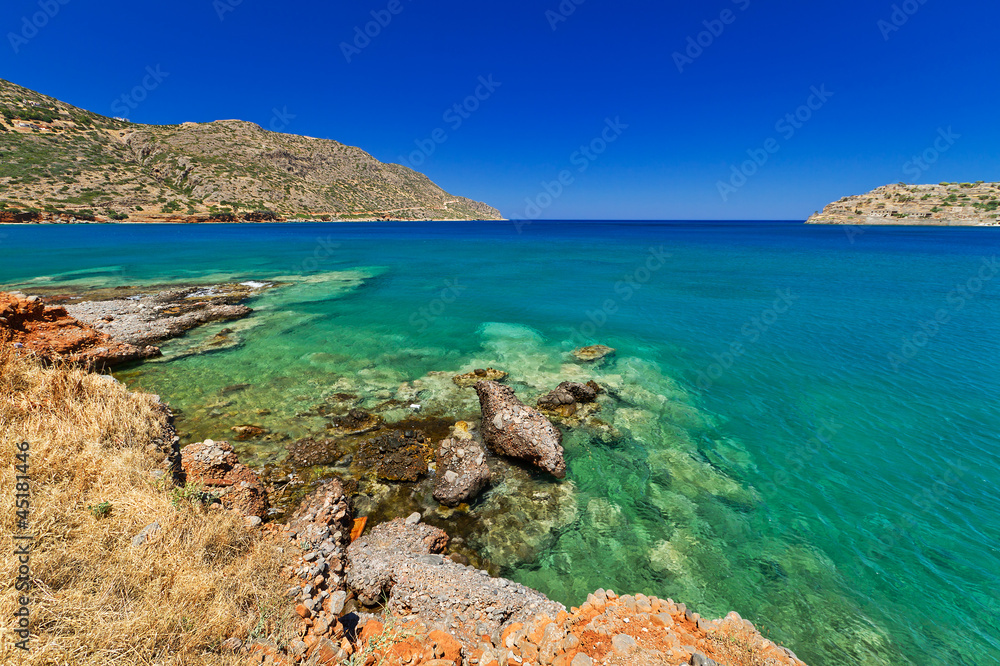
{"points": [[58, 162], [945, 204]]}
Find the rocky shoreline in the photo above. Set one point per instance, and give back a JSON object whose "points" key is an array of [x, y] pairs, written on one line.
{"points": [[404, 593], [110, 327]]}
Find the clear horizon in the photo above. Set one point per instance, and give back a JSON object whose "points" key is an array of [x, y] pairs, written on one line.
{"points": [[560, 110]]}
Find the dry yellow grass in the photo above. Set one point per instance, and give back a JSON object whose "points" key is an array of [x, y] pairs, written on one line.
{"points": [[96, 598], [739, 646]]}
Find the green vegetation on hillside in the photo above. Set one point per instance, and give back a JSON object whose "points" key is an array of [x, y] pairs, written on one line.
{"points": [[57, 158]]}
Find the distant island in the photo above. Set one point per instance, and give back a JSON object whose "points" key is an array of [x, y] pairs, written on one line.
{"points": [[945, 204], [64, 164]]}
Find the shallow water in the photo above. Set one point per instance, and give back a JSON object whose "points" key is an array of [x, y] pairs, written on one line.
{"points": [[764, 452]]}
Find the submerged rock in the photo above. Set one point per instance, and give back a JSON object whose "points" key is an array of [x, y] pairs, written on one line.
{"points": [[593, 352], [461, 473], [395, 455], [356, 422], [314, 451], [522, 517], [516, 430], [245, 432], [479, 374]]}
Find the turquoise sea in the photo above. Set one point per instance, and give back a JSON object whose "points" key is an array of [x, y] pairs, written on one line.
{"points": [[801, 423]]}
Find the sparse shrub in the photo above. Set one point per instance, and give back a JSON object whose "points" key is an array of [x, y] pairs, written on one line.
{"points": [[101, 510]]}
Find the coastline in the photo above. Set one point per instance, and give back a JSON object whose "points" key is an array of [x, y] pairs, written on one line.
{"points": [[337, 614], [319, 357]]}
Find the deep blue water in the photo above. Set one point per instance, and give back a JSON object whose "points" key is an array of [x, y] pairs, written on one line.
{"points": [[806, 421]]}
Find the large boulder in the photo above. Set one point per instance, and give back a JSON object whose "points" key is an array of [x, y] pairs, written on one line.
{"points": [[513, 429], [216, 466], [568, 394], [462, 472]]}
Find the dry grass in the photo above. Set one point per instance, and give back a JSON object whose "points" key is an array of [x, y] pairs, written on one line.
{"points": [[739, 646], [96, 598]]}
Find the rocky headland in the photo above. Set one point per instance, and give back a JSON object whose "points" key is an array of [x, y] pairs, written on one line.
{"points": [[66, 165], [945, 204]]}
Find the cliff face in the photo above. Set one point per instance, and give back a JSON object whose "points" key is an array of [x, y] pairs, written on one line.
{"points": [[66, 163], [946, 204]]}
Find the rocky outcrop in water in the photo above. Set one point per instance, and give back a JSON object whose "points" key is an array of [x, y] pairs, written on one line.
{"points": [[564, 398], [478, 375], [216, 467], [593, 353], [52, 334], [461, 472], [152, 317], [513, 429]]}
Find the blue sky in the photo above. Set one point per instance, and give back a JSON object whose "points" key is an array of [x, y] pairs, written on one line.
{"points": [[662, 110]]}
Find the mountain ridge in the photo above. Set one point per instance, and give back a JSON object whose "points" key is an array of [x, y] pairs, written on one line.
{"points": [[61, 163]]}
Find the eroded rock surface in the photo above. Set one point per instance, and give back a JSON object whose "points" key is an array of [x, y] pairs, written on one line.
{"points": [[404, 561], [52, 334], [144, 318], [461, 472], [513, 429], [564, 398], [217, 467], [314, 451], [396, 455]]}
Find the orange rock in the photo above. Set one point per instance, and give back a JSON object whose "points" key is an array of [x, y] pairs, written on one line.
{"points": [[538, 628], [359, 527], [216, 463], [325, 652], [446, 646], [51, 334], [517, 626], [406, 652], [370, 630]]}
